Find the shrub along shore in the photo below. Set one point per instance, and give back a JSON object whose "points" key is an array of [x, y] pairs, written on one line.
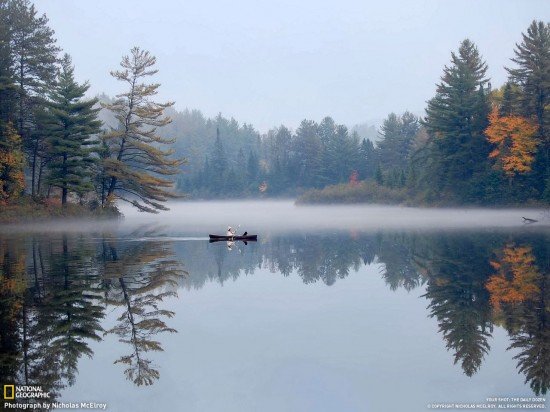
{"points": [[27, 210]]}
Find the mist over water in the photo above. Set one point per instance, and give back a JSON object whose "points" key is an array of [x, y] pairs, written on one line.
{"points": [[284, 216], [426, 302], [198, 218]]}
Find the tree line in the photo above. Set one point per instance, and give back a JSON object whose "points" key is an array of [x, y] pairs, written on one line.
{"points": [[475, 144], [52, 143], [239, 161]]}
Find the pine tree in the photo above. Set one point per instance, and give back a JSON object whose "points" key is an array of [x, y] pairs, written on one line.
{"points": [[307, 154], [367, 159], [455, 120], [340, 156], [510, 100], [252, 167], [34, 55], [378, 176], [397, 133], [533, 76], [219, 165], [71, 122], [7, 86], [138, 167]]}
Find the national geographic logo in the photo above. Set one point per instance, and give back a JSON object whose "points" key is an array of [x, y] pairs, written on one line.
{"points": [[9, 392], [12, 392]]}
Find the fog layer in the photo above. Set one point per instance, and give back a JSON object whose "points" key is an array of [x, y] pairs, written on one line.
{"points": [[275, 216]]}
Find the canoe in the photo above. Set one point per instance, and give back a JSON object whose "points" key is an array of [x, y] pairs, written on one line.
{"points": [[237, 237]]}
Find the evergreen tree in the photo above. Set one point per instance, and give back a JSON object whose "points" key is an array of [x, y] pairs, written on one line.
{"points": [[71, 122], [397, 133], [34, 55], [340, 156], [138, 167], [378, 176], [252, 167], [7, 86], [307, 155], [367, 159], [388, 147], [218, 164], [455, 120], [240, 170], [327, 130], [533, 76], [510, 100]]}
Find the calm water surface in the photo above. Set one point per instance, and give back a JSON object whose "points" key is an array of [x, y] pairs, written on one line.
{"points": [[372, 309]]}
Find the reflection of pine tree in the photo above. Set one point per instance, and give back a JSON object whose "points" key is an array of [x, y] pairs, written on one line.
{"points": [[140, 278], [397, 254], [321, 258], [48, 309], [72, 307], [533, 337], [459, 299], [12, 288], [533, 341]]}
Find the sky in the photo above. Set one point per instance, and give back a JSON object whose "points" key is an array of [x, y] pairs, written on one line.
{"points": [[269, 63]]}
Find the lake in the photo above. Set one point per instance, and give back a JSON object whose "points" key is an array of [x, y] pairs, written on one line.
{"points": [[335, 308]]}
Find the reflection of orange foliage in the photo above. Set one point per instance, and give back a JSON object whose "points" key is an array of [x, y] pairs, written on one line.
{"points": [[516, 277], [514, 140], [12, 277]]}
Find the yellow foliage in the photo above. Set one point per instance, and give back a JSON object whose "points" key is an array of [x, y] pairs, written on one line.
{"points": [[514, 138]]}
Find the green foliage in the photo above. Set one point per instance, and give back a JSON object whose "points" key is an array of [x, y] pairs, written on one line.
{"points": [[33, 57], [532, 76], [70, 124], [456, 119], [396, 145]]}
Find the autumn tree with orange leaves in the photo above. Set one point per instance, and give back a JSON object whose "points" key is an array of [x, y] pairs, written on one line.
{"points": [[12, 178], [514, 138]]}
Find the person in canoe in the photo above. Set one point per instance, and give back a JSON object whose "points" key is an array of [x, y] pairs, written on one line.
{"points": [[232, 232]]}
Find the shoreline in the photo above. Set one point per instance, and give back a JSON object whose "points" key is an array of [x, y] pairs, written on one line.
{"points": [[27, 211]]}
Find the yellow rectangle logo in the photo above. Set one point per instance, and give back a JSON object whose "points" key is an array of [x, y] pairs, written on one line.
{"points": [[9, 392]]}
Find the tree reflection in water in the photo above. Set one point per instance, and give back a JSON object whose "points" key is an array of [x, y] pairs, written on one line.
{"points": [[55, 290], [472, 282], [138, 276]]}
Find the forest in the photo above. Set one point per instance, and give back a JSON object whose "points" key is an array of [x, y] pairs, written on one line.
{"points": [[477, 143]]}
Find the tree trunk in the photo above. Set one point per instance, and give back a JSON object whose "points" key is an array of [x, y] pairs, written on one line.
{"points": [[33, 170], [39, 184], [64, 188]]}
